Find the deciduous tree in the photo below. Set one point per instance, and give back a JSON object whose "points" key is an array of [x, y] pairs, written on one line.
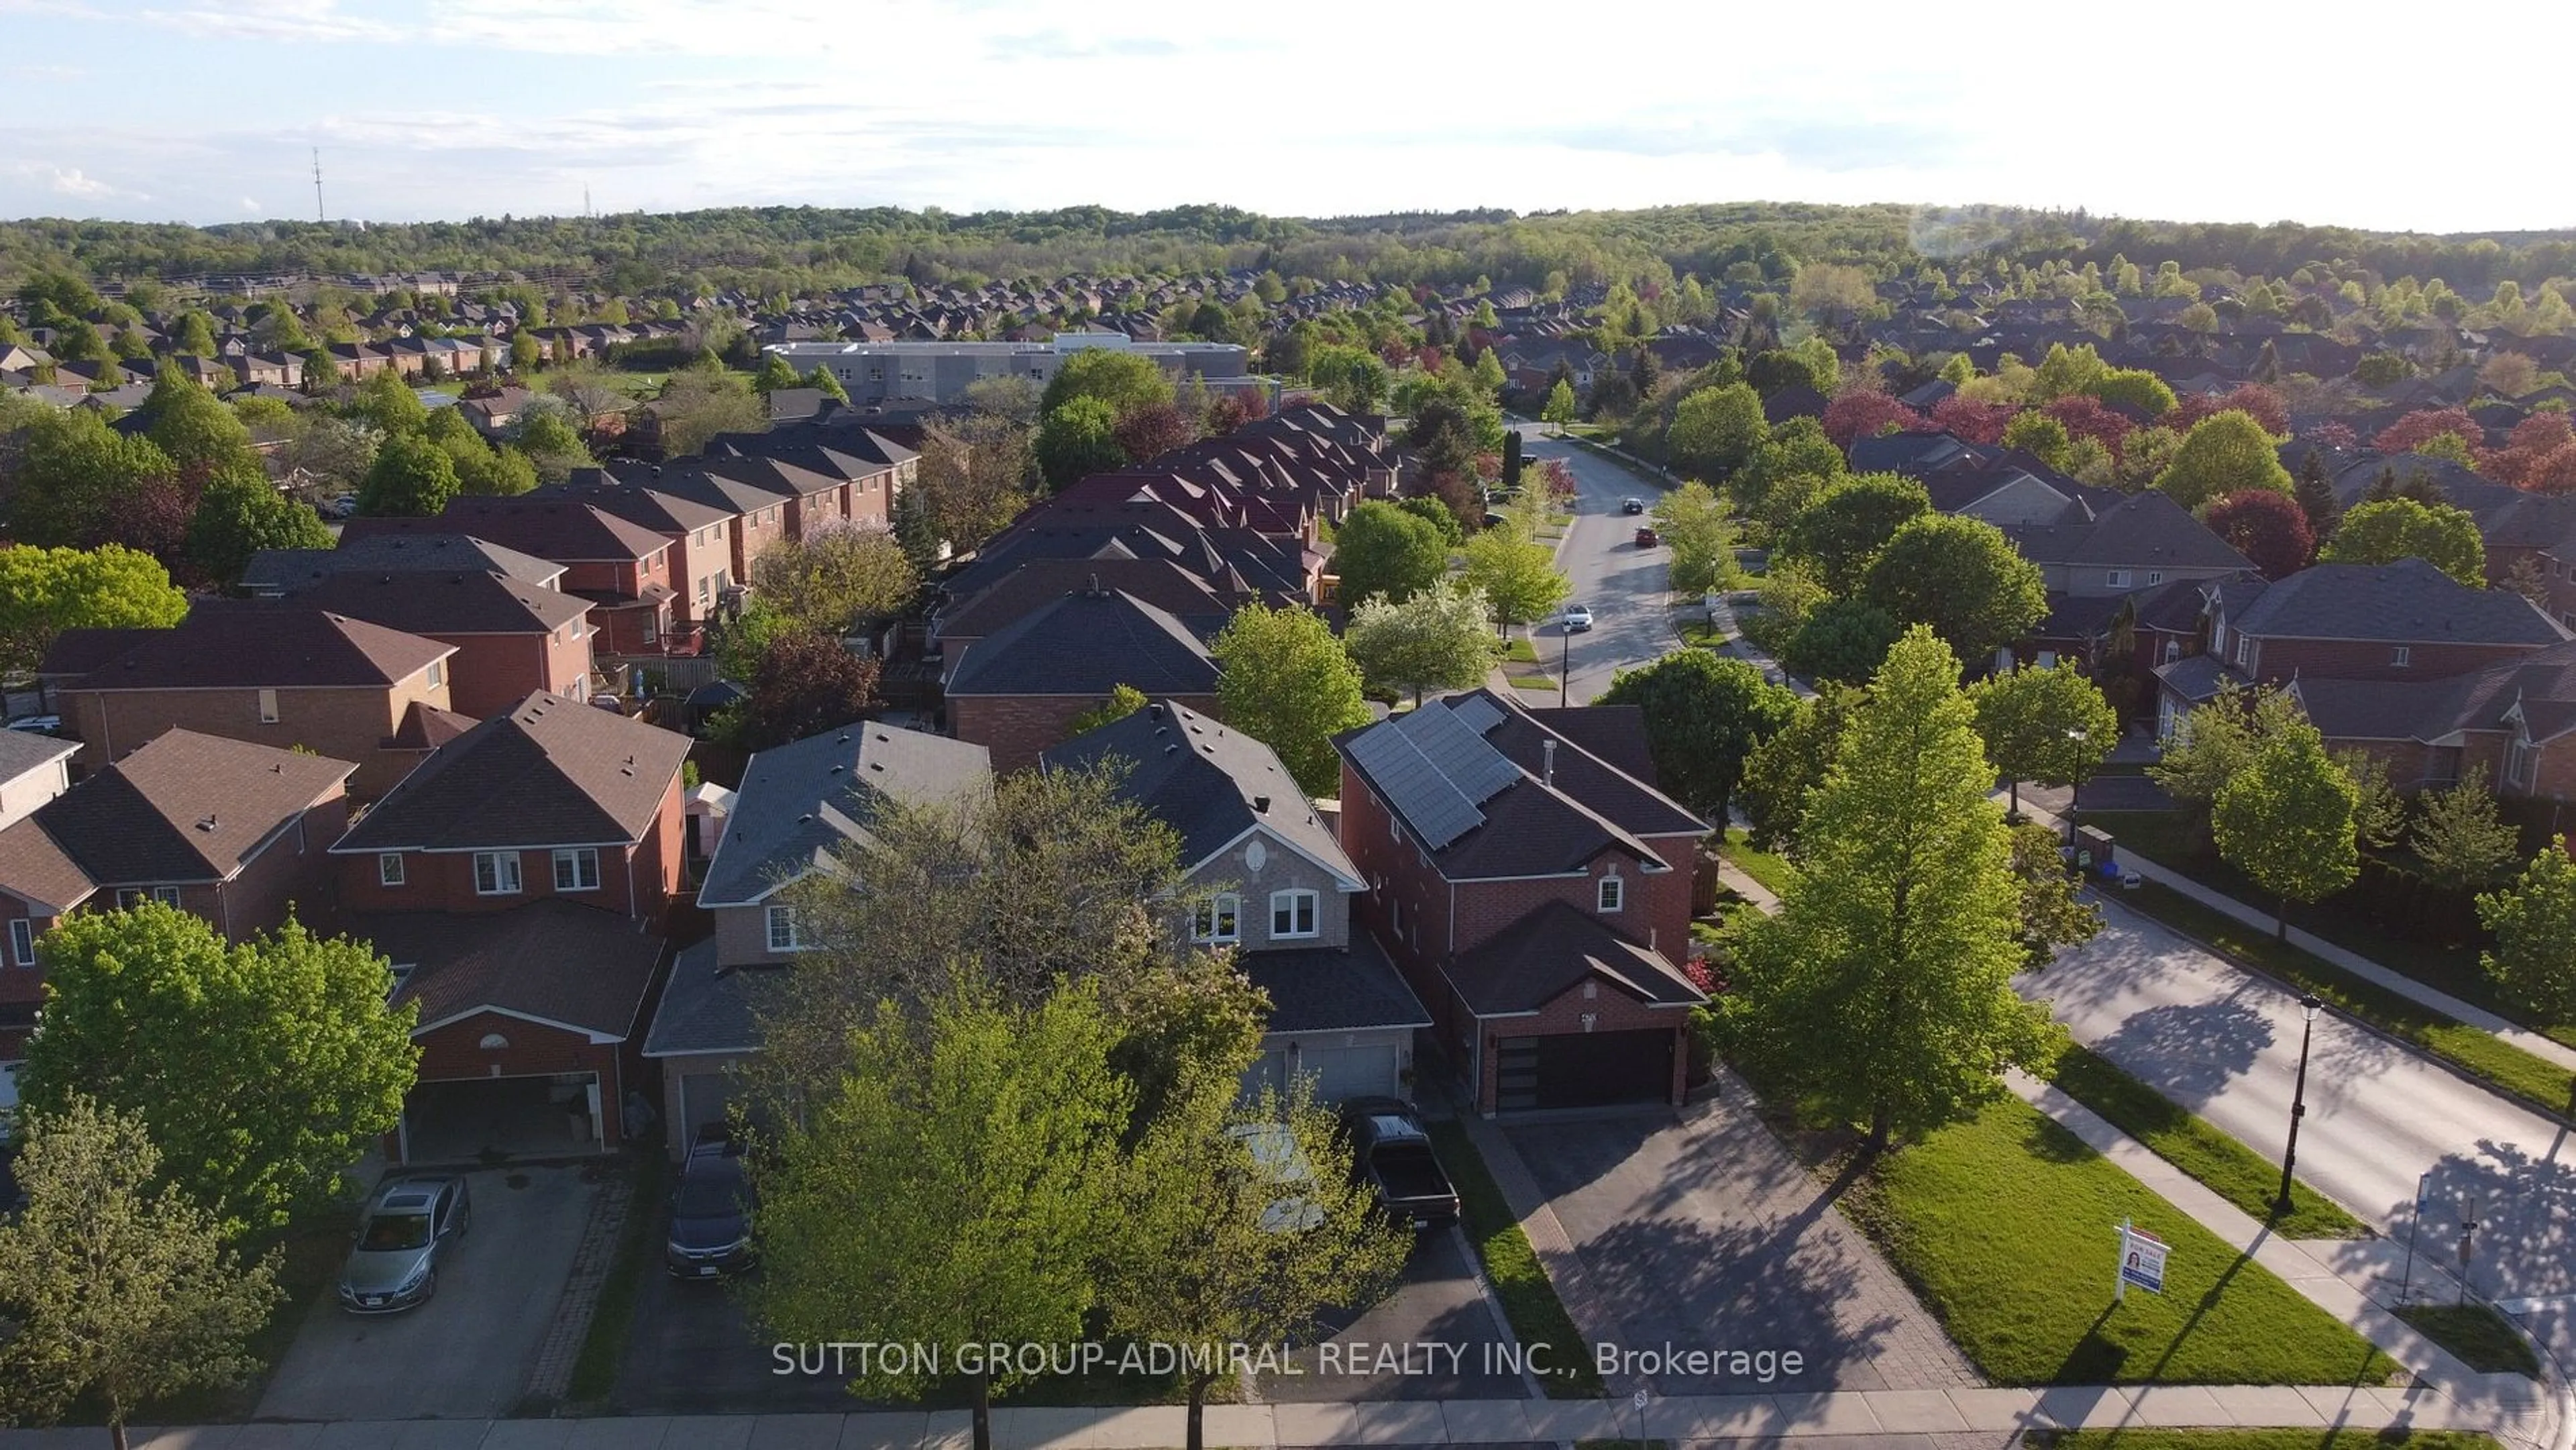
{"points": [[2053, 913], [805, 683], [2216, 743], [1701, 532], [119, 1289], [1385, 551], [836, 576], [2269, 529], [2388, 530], [262, 1068], [1516, 574], [46, 591], [1715, 430], [2225, 453], [1078, 439], [1867, 413], [1288, 683], [1125, 381], [412, 476], [1960, 576], [2046, 725], [1842, 532], [1704, 716], [1123, 701], [2287, 820], [1882, 991], [2462, 839], [1841, 639], [1439, 639], [1783, 772], [2534, 920], [237, 517]]}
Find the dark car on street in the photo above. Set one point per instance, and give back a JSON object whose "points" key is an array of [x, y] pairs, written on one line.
{"points": [[1632, 505], [710, 1213], [1391, 1150]]}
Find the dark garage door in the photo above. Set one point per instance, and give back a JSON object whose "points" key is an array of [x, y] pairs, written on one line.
{"points": [[1585, 1069]]}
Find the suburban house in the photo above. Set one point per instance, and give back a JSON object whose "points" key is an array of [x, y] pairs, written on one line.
{"points": [[1267, 878], [512, 638], [33, 770], [798, 805], [1535, 889], [282, 675], [231, 832], [2516, 719], [622, 568], [2388, 622], [2137, 563], [278, 573], [518, 882], [1016, 691], [1200, 605]]}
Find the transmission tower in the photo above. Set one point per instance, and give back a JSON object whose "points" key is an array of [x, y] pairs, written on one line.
{"points": [[319, 215]]}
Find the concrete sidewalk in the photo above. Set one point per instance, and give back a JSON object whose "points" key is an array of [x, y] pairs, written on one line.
{"points": [[2545, 1048], [1903, 1418]]}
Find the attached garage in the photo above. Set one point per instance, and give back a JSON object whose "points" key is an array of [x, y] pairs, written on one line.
{"points": [[1584, 1069], [1340, 1018], [1365, 1068], [542, 1115]]}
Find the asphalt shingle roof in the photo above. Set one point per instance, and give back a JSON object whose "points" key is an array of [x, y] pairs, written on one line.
{"points": [[185, 807], [1328, 989], [244, 644], [1087, 644], [711, 1008], [552, 772], [2409, 601], [550, 960], [288, 570], [1555, 949], [803, 800], [449, 602], [1208, 783]]}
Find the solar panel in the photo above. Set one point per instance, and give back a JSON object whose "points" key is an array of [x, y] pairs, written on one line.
{"points": [[1415, 787], [1479, 713], [1476, 768]]}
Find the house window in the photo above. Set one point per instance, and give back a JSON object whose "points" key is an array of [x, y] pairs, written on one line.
{"points": [[2155, 576], [2243, 648], [783, 936], [1611, 894], [22, 942], [2117, 578], [577, 869], [1218, 918], [2173, 650], [268, 707], [2399, 657], [1292, 913], [166, 895], [496, 873], [437, 673], [2519, 758], [389, 868]]}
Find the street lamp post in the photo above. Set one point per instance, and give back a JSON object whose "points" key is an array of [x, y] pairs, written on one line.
{"points": [[2309, 1006], [1565, 665]]}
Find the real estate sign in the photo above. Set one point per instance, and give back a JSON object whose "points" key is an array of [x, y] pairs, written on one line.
{"points": [[2142, 1260]]}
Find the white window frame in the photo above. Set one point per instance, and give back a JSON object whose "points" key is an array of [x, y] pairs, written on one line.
{"points": [[390, 870], [268, 707], [166, 895], [2155, 576], [2116, 578], [1217, 919], [22, 941], [1610, 894], [576, 858], [1289, 903], [2401, 657], [2244, 646], [2521, 761], [792, 939], [129, 897], [437, 673], [502, 869]]}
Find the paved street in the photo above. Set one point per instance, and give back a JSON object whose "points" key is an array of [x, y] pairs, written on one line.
{"points": [[2225, 1043], [1706, 1233], [1623, 584]]}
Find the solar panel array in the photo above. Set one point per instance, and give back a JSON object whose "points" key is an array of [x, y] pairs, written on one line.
{"points": [[1435, 770], [1479, 713]]}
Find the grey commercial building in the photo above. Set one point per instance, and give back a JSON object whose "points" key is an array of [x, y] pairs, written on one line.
{"points": [[940, 372]]}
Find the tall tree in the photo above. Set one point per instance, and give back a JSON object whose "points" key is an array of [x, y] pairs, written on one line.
{"points": [[775, 372], [2269, 529], [1077, 440], [1715, 430], [2225, 453], [1385, 551], [1843, 531], [1439, 639], [2462, 839], [2534, 919], [2046, 725], [73, 472], [1560, 408], [1963, 578], [1701, 532], [1516, 574], [1882, 991], [1288, 683], [412, 476], [1704, 716], [975, 474], [194, 429], [1782, 774], [2388, 530], [237, 517], [956, 1184], [2316, 497], [1841, 639], [46, 591], [2216, 743], [263, 1068], [2287, 821], [806, 682], [1241, 1223], [1125, 381], [118, 1288], [836, 576]]}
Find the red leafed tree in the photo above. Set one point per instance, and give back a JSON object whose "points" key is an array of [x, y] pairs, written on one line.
{"points": [[2266, 527], [1463, 494], [2085, 417], [1153, 431], [806, 684], [2530, 452], [2407, 433], [1232, 410], [2263, 403], [1395, 354], [1429, 358], [1559, 477], [1972, 422], [152, 517], [2333, 433], [1866, 413]]}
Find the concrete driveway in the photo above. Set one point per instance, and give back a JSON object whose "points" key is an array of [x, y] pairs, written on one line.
{"points": [[1439, 1303], [690, 1350], [467, 1352], [1706, 1234]]}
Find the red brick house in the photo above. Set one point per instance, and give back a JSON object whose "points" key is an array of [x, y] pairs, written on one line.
{"points": [[1535, 890], [517, 881], [512, 638], [1017, 691], [231, 832], [281, 675], [622, 568]]}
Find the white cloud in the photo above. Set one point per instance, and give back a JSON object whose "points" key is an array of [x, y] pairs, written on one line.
{"points": [[254, 208], [73, 183]]}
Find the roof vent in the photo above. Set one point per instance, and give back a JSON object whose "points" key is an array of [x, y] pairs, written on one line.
{"points": [[1547, 762], [1154, 712], [208, 824], [1261, 804]]}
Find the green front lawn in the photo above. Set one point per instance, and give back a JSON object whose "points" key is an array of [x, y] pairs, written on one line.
{"points": [[2477, 1052], [2221, 1164], [1529, 1300], [2006, 1227], [1520, 652], [1533, 682], [2476, 1334], [2259, 1440], [1767, 867]]}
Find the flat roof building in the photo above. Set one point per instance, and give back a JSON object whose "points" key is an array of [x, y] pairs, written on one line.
{"points": [[941, 372]]}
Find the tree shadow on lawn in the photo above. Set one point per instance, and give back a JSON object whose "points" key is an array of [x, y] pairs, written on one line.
{"points": [[2097, 1360]]}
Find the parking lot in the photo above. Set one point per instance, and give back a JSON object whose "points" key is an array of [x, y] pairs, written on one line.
{"points": [[468, 1351]]}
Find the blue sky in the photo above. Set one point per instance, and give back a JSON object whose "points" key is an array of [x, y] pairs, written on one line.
{"points": [[208, 110]]}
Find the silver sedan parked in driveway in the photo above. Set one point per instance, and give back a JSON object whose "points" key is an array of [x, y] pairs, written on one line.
{"points": [[410, 1226]]}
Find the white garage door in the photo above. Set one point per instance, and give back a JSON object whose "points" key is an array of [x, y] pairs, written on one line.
{"points": [[1352, 1072], [708, 1095]]}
